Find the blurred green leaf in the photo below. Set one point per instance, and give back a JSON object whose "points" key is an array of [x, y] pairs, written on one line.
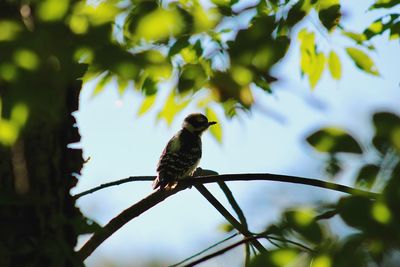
{"points": [[333, 140], [179, 44], [329, 13], [387, 131], [147, 103], [52, 10], [362, 60], [358, 37], [356, 212], [192, 77], [302, 220], [384, 4], [226, 227], [9, 30], [298, 11], [104, 80], [275, 258], [367, 175], [216, 129], [335, 67], [174, 104]]}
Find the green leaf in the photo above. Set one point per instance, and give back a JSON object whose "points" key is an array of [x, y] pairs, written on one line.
{"points": [[387, 131], [329, 14], [192, 77], [275, 258], [333, 140], [367, 175], [317, 69], [178, 46], [355, 211], [173, 105], [216, 129], [335, 67], [362, 60], [384, 4], [147, 103], [102, 83], [149, 86]]}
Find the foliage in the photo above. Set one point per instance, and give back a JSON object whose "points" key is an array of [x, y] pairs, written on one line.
{"points": [[46, 45], [375, 234]]}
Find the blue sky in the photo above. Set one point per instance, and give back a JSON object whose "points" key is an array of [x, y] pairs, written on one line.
{"points": [[271, 139]]}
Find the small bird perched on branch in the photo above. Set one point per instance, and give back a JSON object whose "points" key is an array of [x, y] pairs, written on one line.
{"points": [[182, 154]]}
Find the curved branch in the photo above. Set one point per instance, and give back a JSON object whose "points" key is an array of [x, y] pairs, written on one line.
{"points": [[245, 177], [124, 217]]}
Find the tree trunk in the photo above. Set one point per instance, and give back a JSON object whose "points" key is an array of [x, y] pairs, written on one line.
{"points": [[39, 222]]}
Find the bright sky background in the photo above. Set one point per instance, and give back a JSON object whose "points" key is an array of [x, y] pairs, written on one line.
{"points": [[271, 139]]}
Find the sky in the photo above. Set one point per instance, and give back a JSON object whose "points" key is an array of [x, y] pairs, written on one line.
{"points": [[270, 139]]}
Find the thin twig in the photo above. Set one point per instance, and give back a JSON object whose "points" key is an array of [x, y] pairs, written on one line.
{"points": [[247, 177], [235, 206], [205, 250], [222, 251], [225, 213], [114, 183]]}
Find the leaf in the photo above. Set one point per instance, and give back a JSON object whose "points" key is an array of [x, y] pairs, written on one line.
{"points": [[101, 84], [216, 129], [355, 211], [362, 60], [367, 175], [147, 103], [192, 77], [329, 14], [275, 258], [335, 66], [173, 105], [333, 140], [384, 4], [178, 46], [317, 69], [387, 131]]}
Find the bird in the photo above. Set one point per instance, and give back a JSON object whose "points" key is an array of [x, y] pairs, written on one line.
{"points": [[182, 153]]}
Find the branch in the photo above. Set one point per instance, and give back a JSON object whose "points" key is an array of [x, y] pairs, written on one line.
{"points": [[205, 250], [246, 177], [118, 182], [225, 213], [222, 251], [124, 217]]}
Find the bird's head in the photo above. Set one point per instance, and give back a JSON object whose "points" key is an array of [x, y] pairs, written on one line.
{"points": [[197, 123]]}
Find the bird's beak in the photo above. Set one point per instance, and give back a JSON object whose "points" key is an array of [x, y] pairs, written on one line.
{"points": [[211, 123]]}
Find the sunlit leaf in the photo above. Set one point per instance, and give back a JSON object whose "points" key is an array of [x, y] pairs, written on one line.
{"points": [[147, 103], [19, 114], [97, 14], [27, 59], [362, 60], [385, 4], [159, 24], [335, 67], [104, 80], [9, 30], [216, 129], [333, 140], [275, 258], [226, 227], [358, 37], [173, 105], [52, 10], [317, 69], [321, 261], [381, 213], [8, 132]]}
